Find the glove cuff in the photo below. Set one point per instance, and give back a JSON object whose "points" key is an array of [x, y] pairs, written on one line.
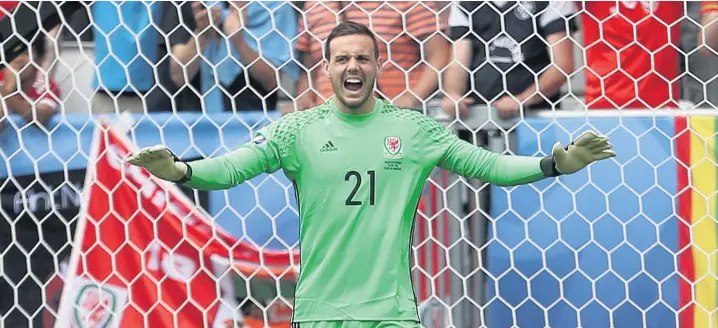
{"points": [[548, 167], [187, 174], [548, 164]]}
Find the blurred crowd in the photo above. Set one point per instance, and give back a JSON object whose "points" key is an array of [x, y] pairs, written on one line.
{"points": [[235, 56], [515, 56]]}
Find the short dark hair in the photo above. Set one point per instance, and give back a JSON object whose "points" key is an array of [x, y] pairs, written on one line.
{"points": [[350, 28]]}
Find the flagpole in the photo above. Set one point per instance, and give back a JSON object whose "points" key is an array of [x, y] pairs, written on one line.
{"points": [[64, 313]]}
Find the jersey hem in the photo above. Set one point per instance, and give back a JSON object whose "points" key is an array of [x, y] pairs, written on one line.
{"points": [[353, 319]]}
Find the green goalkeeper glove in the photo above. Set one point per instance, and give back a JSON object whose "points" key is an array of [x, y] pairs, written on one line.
{"points": [[588, 148], [162, 163]]}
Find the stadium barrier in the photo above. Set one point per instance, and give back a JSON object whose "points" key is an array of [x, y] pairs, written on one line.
{"points": [[626, 243], [629, 242], [608, 245]]}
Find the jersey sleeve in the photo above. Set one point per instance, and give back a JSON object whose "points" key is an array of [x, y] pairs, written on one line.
{"points": [[422, 20], [558, 17], [270, 150], [459, 21], [708, 7], [465, 159], [48, 97], [304, 27], [180, 24]]}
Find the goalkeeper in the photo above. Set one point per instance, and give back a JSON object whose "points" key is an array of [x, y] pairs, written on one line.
{"points": [[359, 165]]}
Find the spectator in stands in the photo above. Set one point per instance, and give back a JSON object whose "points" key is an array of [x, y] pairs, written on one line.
{"points": [[407, 30], [631, 54], [27, 91], [510, 45], [169, 95], [697, 64], [36, 100], [125, 54], [233, 75], [48, 65], [253, 315], [708, 36]]}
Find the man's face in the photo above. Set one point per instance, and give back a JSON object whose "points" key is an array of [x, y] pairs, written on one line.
{"points": [[352, 68]]}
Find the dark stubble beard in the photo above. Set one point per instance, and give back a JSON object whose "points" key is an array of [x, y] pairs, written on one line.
{"points": [[367, 96]]}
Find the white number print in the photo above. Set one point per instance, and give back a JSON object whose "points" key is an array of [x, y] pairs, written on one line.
{"points": [[176, 266]]}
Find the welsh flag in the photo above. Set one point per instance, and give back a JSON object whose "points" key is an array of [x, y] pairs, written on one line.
{"points": [[146, 256]]}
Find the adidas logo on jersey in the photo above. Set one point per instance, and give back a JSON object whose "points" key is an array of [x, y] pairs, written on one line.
{"points": [[329, 146]]}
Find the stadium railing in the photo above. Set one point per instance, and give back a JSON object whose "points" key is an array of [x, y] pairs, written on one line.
{"points": [[628, 242], [539, 249]]}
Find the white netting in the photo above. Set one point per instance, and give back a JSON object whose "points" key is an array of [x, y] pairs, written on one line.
{"points": [[629, 242]]}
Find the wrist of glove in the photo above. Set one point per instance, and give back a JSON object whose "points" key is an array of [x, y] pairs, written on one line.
{"points": [[586, 149], [162, 163]]}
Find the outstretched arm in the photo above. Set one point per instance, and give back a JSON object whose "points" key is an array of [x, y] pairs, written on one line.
{"points": [[271, 149], [221, 172], [232, 168], [470, 161]]}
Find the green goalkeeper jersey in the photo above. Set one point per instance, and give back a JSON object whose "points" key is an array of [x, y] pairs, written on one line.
{"points": [[358, 180]]}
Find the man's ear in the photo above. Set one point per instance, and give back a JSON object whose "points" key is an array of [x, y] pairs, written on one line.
{"points": [[379, 66], [325, 65]]}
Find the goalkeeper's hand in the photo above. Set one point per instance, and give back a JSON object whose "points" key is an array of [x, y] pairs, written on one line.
{"points": [[588, 148], [161, 162]]}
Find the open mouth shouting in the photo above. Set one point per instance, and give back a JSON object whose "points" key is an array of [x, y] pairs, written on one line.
{"points": [[353, 86]]}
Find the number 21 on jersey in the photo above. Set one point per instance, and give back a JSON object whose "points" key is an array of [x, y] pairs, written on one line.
{"points": [[357, 179]]}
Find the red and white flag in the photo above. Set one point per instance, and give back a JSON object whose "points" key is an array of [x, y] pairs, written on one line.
{"points": [[145, 256]]}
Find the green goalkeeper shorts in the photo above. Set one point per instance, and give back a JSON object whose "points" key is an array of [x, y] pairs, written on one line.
{"points": [[357, 324]]}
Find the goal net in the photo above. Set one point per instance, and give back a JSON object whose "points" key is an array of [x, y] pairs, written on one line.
{"points": [[89, 241]]}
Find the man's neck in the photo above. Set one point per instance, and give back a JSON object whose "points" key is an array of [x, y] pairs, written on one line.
{"points": [[366, 108]]}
